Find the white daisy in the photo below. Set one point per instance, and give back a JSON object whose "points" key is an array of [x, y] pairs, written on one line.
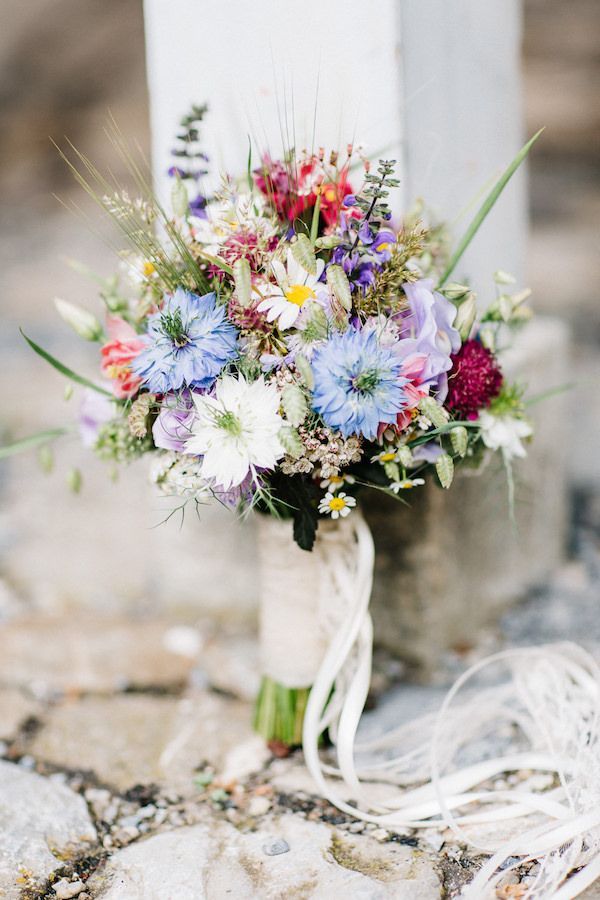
{"points": [[390, 454], [336, 505], [294, 287], [336, 482], [405, 484], [504, 433], [236, 430]]}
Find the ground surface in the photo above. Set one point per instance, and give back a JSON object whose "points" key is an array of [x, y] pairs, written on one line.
{"points": [[128, 763], [127, 760]]}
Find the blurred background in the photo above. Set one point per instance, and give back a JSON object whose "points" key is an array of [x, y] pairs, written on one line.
{"points": [[63, 65]]}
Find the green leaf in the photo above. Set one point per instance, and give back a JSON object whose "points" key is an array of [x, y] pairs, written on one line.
{"points": [[314, 225], [305, 369], [74, 480], [243, 280], [486, 206], [45, 458], [459, 439], [294, 404], [64, 370], [340, 286], [436, 413], [445, 470], [290, 441], [304, 254], [34, 440]]}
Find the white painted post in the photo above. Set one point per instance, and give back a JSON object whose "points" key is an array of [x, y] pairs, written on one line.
{"points": [[436, 85]]}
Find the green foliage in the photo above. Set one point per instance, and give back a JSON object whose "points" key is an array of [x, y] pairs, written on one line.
{"points": [[434, 412], [304, 254], [486, 207], [340, 286], [459, 438], [243, 281], [445, 470], [290, 441], [294, 404], [64, 370]]}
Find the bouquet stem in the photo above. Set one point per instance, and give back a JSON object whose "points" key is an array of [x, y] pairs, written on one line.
{"points": [[279, 712]]}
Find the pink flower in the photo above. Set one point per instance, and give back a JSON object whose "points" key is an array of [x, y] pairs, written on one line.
{"points": [[117, 355]]}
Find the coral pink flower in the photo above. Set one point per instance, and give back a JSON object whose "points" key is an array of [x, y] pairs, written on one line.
{"points": [[413, 368], [117, 354]]}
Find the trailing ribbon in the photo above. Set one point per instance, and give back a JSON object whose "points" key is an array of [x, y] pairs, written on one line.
{"points": [[546, 716]]}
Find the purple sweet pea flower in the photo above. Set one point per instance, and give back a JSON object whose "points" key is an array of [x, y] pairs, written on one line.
{"points": [[172, 427], [95, 410], [428, 322]]}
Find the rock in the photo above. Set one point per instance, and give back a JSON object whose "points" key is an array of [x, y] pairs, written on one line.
{"points": [[213, 861], [276, 847], [15, 709], [133, 739], [42, 823], [66, 890], [259, 806], [82, 654]]}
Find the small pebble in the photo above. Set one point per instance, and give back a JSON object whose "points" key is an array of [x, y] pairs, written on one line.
{"points": [[356, 827], [126, 835], [380, 834], [275, 848], [258, 806], [65, 890]]}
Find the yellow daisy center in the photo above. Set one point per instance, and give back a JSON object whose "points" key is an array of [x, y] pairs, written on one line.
{"points": [[336, 479], [299, 294], [388, 457], [337, 503], [148, 268]]}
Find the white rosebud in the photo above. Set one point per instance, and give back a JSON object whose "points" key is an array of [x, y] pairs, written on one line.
{"points": [[466, 316], [84, 323], [501, 277]]}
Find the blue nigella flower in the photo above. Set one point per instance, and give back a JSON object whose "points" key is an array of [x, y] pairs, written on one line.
{"points": [[188, 343], [358, 383]]}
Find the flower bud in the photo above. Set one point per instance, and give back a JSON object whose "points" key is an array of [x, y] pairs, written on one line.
{"points": [[466, 316], [179, 198], [456, 292], [84, 323], [501, 277]]}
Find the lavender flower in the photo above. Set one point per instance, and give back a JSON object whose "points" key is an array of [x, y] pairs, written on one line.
{"points": [[188, 343]]}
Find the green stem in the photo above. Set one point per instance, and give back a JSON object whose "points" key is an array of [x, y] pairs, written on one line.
{"points": [[279, 712]]}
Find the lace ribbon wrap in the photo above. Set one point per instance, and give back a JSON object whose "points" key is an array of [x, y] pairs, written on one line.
{"points": [[539, 706], [301, 605]]}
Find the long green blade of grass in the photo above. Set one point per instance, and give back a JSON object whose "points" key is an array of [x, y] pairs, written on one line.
{"points": [[64, 370], [486, 206], [34, 440]]}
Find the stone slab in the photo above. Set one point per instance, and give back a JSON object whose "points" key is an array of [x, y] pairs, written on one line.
{"points": [[218, 862], [42, 824], [131, 739], [80, 654]]}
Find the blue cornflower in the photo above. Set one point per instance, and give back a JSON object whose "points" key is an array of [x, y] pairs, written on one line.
{"points": [[358, 383], [188, 343]]}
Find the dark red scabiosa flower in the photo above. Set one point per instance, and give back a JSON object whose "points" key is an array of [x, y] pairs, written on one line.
{"points": [[474, 380]]}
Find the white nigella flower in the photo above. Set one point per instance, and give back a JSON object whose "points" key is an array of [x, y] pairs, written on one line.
{"points": [[236, 430], [405, 484], [294, 287], [504, 433], [336, 482], [336, 505]]}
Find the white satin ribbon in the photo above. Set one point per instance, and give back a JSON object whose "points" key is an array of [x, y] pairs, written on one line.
{"points": [[548, 714]]}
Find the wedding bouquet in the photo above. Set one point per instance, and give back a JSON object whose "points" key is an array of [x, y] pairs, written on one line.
{"points": [[283, 344]]}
